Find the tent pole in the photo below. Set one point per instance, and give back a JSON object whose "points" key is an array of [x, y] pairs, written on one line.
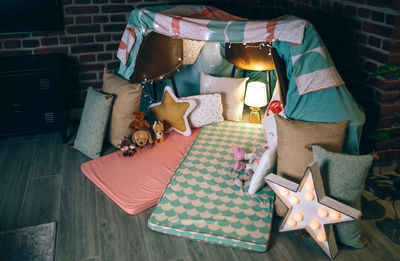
{"points": [[174, 86], [233, 71], [268, 85], [154, 91]]}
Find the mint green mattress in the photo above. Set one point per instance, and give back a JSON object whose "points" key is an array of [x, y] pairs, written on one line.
{"points": [[202, 201]]}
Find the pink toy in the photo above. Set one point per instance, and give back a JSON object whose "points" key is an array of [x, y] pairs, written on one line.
{"points": [[246, 161]]}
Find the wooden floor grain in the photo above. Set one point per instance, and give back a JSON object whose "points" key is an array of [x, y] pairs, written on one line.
{"points": [[41, 181], [14, 174], [41, 201], [78, 230]]}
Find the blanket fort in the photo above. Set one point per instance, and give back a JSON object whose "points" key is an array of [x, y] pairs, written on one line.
{"points": [[310, 68], [207, 23]]}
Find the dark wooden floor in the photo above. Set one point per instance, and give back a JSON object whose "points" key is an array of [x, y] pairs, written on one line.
{"points": [[41, 181]]}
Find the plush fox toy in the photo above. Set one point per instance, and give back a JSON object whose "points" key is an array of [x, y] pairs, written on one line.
{"points": [[158, 129]]}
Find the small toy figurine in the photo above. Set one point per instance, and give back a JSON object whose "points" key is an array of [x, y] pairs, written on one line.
{"points": [[127, 147], [250, 162], [252, 158], [158, 129], [138, 123], [143, 139]]}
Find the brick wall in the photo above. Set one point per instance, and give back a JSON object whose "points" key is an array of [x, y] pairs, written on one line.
{"points": [[362, 35], [93, 29]]}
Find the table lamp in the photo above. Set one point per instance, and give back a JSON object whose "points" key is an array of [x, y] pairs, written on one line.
{"points": [[256, 97]]}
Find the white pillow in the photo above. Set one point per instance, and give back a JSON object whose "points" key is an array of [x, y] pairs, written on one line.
{"points": [[208, 110], [265, 167], [231, 90]]}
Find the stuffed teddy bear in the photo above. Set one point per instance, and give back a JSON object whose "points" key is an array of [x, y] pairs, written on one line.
{"points": [[142, 138], [158, 129], [127, 147], [138, 122]]}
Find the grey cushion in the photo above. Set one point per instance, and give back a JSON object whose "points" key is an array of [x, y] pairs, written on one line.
{"points": [[90, 136], [345, 176]]}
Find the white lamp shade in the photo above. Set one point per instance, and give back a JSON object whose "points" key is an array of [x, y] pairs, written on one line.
{"points": [[256, 94]]}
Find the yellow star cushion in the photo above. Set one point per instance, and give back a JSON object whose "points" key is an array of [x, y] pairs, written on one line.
{"points": [[174, 111]]}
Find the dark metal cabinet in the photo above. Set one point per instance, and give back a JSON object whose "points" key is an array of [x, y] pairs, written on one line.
{"points": [[31, 95]]}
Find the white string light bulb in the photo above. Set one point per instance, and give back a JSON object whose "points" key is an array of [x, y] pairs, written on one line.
{"points": [[321, 236], [315, 225], [309, 185], [291, 222], [298, 216], [334, 214], [309, 196], [294, 200], [322, 212], [284, 192]]}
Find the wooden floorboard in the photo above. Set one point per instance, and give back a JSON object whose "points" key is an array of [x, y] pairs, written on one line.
{"points": [[120, 236], [77, 237], [41, 201], [47, 159], [205, 251], [14, 173], [97, 258], [41, 182], [159, 246]]}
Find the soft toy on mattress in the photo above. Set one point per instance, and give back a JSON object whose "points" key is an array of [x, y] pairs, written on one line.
{"points": [[141, 136], [258, 163], [138, 123], [142, 139], [253, 159], [158, 129], [262, 160], [127, 147]]}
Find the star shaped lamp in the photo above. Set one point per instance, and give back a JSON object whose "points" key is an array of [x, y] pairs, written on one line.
{"points": [[310, 208]]}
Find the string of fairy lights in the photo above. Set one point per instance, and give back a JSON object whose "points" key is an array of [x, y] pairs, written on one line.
{"points": [[180, 64], [159, 78]]}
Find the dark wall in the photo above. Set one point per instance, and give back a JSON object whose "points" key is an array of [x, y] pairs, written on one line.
{"points": [[93, 29]]}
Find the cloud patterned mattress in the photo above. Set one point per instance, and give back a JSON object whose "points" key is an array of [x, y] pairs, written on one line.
{"points": [[202, 201]]}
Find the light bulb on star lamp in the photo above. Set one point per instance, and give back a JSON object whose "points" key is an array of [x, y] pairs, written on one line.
{"points": [[256, 97]]}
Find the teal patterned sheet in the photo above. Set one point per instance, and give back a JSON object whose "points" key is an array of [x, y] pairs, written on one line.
{"points": [[202, 201]]}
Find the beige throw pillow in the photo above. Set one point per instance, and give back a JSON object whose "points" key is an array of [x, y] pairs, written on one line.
{"points": [[127, 100], [295, 140], [231, 90], [208, 110]]}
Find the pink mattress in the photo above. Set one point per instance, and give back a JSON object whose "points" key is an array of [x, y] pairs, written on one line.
{"points": [[136, 183]]}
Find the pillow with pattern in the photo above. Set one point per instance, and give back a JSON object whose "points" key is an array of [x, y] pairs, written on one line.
{"points": [[92, 128], [208, 110], [231, 91]]}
